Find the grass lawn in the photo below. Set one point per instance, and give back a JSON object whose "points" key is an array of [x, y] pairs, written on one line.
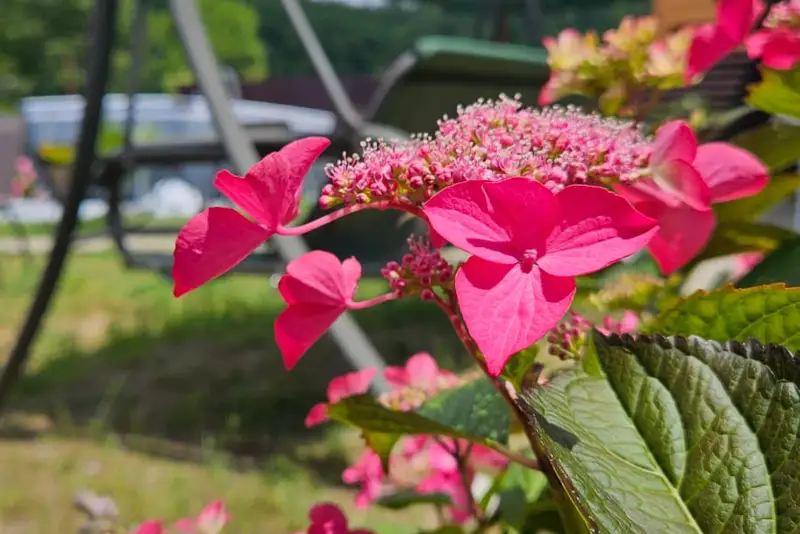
{"points": [[165, 404]]}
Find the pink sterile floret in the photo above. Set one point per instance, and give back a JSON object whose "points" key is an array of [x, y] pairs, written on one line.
{"points": [[217, 239], [341, 387], [681, 199], [420, 379], [317, 288], [327, 518], [712, 42], [150, 527], [211, 520], [528, 245], [492, 140], [778, 44]]}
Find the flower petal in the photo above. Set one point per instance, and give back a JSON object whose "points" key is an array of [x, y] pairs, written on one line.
{"points": [[330, 514], [735, 18], [347, 385], [324, 278], [318, 414], [709, 45], [299, 326], [422, 370], [730, 172], [150, 527], [270, 191], [494, 220], [506, 310], [683, 182], [674, 140], [597, 228], [210, 244], [782, 51], [682, 234]]}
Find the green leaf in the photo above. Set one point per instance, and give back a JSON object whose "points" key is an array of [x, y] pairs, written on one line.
{"points": [[678, 435], [381, 444], [474, 411], [778, 93], [781, 266], [750, 208], [520, 366], [404, 499], [776, 144], [520, 488], [447, 529], [770, 314], [731, 237]]}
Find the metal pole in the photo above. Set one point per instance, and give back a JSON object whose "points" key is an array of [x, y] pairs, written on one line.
{"points": [[243, 155], [104, 27]]}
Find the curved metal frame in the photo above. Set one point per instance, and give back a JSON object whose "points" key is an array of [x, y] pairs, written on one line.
{"points": [[104, 32]]}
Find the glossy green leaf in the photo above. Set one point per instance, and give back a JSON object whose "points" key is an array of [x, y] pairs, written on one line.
{"points": [[778, 93], [382, 444], [776, 144], [447, 529], [770, 314], [781, 266], [678, 435], [519, 491], [404, 499], [750, 208]]}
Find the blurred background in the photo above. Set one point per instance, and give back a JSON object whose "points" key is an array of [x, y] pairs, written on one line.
{"points": [[166, 404]]}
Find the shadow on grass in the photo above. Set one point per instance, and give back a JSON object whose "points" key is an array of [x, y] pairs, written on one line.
{"points": [[218, 376]]}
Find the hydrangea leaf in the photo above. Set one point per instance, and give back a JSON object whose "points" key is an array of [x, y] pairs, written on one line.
{"points": [[776, 144], [475, 412], [770, 314], [678, 435], [778, 93], [780, 266], [404, 499]]}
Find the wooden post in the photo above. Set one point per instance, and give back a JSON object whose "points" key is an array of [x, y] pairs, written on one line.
{"points": [[673, 14]]}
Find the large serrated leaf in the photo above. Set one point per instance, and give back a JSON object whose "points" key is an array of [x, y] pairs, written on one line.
{"points": [[778, 93], [678, 435], [770, 314]]}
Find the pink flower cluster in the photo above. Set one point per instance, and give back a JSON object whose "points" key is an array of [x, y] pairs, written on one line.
{"points": [[617, 70], [524, 192], [327, 518], [423, 463], [490, 141], [211, 520], [568, 337], [777, 43]]}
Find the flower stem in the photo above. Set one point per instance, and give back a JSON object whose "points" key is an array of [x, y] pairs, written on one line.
{"points": [[364, 304], [462, 457], [338, 214]]}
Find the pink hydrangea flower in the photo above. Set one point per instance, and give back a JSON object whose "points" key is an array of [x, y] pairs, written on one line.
{"points": [[218, 239], [317, 288], [713, 42], [682, 205], [150, 527], [778, 43], [628, 324], [420, 372], [368, 472], [528, 245], [341, 387], [211, 520], [420, 271], [327, 518]]}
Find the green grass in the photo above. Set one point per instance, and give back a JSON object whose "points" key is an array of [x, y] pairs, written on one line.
{"points": [[164, 404], [90, 226]]}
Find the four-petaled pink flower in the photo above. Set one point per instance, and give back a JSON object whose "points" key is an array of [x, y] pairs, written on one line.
{"points": [[317, 288], [528, 245], [712, 42], [217, 239], [355, 383], [367, 471], [327, 518], [210, 521], [682, 207]]}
